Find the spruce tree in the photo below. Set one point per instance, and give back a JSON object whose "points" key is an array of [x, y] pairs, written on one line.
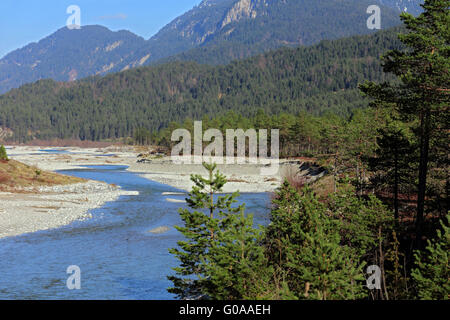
{"points": [[199, 229], [221, 257], [237, 265], [393, 163], [304, 245]]}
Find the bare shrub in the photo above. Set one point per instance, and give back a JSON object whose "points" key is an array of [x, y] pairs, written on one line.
{"points": [[291, 173]]}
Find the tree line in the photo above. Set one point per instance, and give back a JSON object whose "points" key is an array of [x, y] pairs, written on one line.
{"points": [[317, 79]]}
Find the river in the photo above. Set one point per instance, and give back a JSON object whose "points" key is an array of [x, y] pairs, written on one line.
{"points": [[118, 257]]}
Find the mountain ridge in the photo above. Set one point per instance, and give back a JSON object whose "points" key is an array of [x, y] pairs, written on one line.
{"points": [[58, 55], [214, 32], [318, 79]]}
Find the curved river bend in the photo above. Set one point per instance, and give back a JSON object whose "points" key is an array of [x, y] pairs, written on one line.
{"points": [[119, 258]]}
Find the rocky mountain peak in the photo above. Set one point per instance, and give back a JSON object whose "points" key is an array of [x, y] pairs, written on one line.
{"points": [[241, 9]]}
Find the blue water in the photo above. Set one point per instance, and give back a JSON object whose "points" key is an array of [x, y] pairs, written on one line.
{"points": [[54, 151], [118, 257]]}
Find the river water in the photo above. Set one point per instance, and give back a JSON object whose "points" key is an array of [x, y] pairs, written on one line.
{"points": [[119, 258]]}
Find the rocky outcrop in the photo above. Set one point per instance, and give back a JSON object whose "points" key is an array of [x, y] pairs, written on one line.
{"points": [[241, 9]]}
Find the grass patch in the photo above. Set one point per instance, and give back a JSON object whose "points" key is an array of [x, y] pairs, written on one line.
{"points": [[14, 174]]}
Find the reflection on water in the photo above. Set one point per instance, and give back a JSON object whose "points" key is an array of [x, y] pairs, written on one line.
{"points": [[118, 256]]}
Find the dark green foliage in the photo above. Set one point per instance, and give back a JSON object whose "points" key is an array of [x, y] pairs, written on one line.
{"points": [[394, 162], [237, 266], [277, 23], [318, 248], [75, 54], [142, 136], [220, 257], [305, 246], [421, 93], [432, 272], [364, 222], [199, 230]]}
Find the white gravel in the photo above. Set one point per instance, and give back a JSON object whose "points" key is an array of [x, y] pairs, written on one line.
{"points": [[53, 207]]}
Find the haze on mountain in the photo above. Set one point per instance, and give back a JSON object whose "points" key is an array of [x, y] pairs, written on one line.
{"points": [[214, 32]]}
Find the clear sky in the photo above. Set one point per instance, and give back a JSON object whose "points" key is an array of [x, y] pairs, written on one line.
{"points": [[25, 21]]}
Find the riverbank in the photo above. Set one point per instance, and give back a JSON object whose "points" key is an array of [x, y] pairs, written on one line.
{"points": [[123, 251], [33, 198], [41, 208], [51, 207], [246, 178], [68, 158]]}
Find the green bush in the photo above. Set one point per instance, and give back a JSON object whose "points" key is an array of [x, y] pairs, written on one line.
{"points": [[3, 154], [432, 274]]}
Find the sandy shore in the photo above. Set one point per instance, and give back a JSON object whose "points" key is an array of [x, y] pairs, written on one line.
{"points": [[53, 207]]}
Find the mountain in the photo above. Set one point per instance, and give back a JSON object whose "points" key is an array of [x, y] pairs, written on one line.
{"points": [[219, 31], [319, 79], [68, 55], [214, 32]]}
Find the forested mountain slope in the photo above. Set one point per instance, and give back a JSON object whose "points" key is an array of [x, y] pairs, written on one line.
{"points": [[320, 78], [214, 32], [219, 31], [68, 55]]}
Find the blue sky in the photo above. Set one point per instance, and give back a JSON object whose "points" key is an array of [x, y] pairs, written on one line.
{"points": [[25, 21]]}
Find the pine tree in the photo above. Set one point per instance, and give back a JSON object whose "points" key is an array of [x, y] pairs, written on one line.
{"points": [[432, 271], [304, 245], [393, 162], [422, 94], [365, 226], [221, 257], [3, 154], [199, 229], [327, 269], [364, 221], [237, 265]]}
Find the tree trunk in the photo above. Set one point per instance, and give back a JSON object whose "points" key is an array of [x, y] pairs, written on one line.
{"points": [[423, 171], [396, 182]]}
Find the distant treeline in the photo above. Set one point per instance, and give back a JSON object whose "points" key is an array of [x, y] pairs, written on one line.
{"points": [[318, 79], [300, 135]]}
